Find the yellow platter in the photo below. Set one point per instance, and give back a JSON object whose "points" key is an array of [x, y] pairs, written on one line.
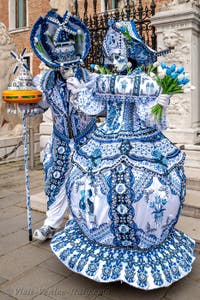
{"points": [[22, 96]]}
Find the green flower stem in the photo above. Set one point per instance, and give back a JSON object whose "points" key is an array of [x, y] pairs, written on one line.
{"points": [[156, 111]]}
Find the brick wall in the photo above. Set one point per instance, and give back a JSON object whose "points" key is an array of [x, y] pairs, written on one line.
{"points": [[4, 12]]}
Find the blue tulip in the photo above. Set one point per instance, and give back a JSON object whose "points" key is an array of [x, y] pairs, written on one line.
{"points": [[185, 80], [92, 66], [168, 71], [180, 70], [180, 82], [122, 29], [163, 65], [173, 68], [174, 75]]}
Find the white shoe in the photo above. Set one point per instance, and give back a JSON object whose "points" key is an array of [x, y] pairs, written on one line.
{"points": [[43, 233]]}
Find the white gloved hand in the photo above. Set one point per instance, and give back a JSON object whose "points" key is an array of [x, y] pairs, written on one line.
{"points": [[75, 86], [164, 99]]}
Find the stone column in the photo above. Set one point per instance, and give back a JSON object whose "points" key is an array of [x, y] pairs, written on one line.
{"points": [[178, 27]]}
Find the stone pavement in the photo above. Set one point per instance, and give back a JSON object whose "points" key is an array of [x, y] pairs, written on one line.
{"points": [[29, 270]]}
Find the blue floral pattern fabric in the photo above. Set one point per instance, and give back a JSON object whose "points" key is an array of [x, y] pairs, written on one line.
{"points": [[126, 189], [68, 124], [154, 268]]}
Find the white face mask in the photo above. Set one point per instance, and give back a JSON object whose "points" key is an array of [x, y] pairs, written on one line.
{"points": [[120, 62], [66, 73]]}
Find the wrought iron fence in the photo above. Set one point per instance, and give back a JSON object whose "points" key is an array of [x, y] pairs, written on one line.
{"points": [[97, 23]]}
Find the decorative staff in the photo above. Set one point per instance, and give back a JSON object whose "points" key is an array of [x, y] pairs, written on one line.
{"points": [[22, 91]]}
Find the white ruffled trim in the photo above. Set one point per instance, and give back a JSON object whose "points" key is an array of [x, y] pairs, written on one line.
{"points": [[144, 269]]}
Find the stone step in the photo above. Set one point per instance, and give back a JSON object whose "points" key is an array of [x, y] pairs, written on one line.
{"points": [[190, 226], [193, 178], [191, 207], [192, 155]]}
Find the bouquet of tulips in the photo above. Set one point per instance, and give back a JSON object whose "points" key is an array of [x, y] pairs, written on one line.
{"points": [[171, 79], [104, 70]]}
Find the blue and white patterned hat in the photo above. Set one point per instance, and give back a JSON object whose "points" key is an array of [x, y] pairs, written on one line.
{"points": [[60, 41], [122, 38]]}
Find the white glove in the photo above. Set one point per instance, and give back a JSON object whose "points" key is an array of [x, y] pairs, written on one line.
{"points": [[75, 86], [164, 100]]}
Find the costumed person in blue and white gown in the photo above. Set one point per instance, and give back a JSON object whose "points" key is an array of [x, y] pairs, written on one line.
{"points": [[62, 43], [127, 185]]}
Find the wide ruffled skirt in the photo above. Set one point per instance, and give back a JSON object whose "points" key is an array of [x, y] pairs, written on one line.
{"points": [[125, 196], [145, 269]]}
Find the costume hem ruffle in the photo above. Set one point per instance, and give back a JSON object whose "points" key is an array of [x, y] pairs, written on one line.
{"points": [[144, 269]]}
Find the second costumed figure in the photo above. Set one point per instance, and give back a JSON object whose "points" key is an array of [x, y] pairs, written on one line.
{"points": [[126, 185]]}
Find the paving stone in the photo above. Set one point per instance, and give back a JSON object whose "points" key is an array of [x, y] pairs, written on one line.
{"points": [[19, 185], [12, 181], [42, 297], [77, 287], [18, 222], [118, 291], [101, 298], [9, 212], [34, 283], [12, 225], [43, 245], [18, 188], [10, 200], [38, 224], [21, 260], [195, 273], [190, 226], [53, 264], [22, 203], [6, 193], [3, 296], [185, 289], [2, 280], [13, 241]]}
